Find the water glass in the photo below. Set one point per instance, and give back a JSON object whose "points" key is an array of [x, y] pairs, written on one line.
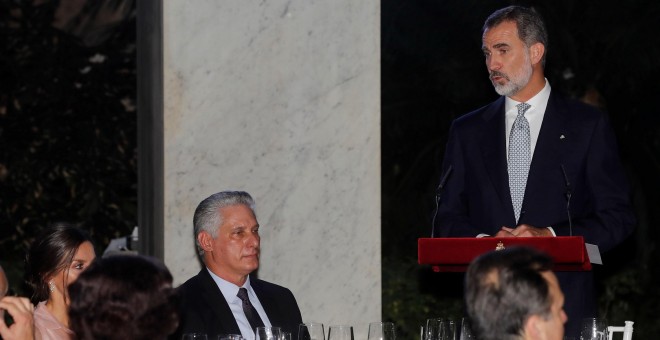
{"points": [[440, 329], [285, 336], [340, 332], [448, 330], [466, 330], [230, 337], [267, 333], [593, 329], [311, 331], [381, 331], [432, 329]]}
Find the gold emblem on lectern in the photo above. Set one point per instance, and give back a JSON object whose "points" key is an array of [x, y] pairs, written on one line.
{"points": [[500, 246]]}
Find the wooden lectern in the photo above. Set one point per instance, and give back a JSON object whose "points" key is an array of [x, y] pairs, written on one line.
{"points": [[454, 254]]}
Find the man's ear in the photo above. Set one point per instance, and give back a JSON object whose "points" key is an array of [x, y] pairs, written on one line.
{"points": [[536, 52], [533, 328], [205, 241]]}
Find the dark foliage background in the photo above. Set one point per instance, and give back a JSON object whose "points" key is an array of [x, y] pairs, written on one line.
{"points": [[67, 122], [605, 52]]}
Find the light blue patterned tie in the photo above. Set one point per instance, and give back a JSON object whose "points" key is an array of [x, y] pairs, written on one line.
{"points": [[519, 158]]}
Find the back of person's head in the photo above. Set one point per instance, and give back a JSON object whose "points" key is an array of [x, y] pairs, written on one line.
{"points": [[530, 24], [123, 297], [52, 251], [503, 289], [207, 214]]}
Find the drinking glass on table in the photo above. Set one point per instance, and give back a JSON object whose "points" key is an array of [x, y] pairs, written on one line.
{"points": [[267, 333], [340, 332], [466, 331], [230, 337], [593, 329], [447, 330], [381, 331], [311, 331], [194, 336], [432, 329], [285, 336]]}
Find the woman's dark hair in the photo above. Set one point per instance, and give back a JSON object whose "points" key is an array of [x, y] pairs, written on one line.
{"points": [[123, 297], [52, 250]]}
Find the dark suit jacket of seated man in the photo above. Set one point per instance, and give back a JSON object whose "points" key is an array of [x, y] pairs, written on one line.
{"points": [[227, 237]]}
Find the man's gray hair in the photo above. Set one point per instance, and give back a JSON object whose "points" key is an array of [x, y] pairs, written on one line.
{"points": [[531, 28], [208, 217]]}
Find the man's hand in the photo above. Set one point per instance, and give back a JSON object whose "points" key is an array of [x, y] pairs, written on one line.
{"points": [[526, 230], [21, 310]]}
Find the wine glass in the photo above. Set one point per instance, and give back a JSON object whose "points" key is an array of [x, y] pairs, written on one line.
{"points": [[311, 331], [447, 330], [267, 333], [194, 336], [285, 336], [381, 331], [432, 329], [230, 337], [340, 332], [593, 329], [466, 330]]}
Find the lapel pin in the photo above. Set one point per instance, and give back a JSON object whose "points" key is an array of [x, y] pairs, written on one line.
{"points": [[561, 137]]}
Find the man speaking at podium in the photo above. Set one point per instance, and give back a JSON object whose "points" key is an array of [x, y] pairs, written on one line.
{"points": [[533, 163]]}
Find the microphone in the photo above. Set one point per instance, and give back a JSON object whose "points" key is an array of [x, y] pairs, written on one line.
{"points": [[438, 196], [568, 200]]}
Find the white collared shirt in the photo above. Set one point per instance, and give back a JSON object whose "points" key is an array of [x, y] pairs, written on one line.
{"points": [[534, 116], [230, 291]]}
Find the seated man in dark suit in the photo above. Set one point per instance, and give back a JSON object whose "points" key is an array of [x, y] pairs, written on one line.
{"points": [[513, 294], [222, 298]]}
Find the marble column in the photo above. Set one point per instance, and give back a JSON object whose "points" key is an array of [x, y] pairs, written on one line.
{"points": [[281, 99]]}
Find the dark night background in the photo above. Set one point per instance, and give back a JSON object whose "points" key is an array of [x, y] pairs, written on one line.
{"points": [[68, 129]]}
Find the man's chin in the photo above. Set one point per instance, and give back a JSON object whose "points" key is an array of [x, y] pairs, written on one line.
{"points": [[504, 90]]}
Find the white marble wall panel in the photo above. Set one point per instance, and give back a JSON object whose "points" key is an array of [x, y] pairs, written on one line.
{"points": [[281, 99]]}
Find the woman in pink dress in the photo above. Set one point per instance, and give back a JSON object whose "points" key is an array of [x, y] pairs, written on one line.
{"points": [[55, 259]]}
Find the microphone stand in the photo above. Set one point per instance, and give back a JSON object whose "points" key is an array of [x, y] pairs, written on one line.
{"points": [[568, 200], [438, 197]]}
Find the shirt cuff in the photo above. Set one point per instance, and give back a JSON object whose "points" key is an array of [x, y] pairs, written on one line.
{"points": [[482, 235], [552, 231]]}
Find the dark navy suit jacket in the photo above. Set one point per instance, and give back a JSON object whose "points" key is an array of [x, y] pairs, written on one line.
{"points": [[204, 309], [575, 139]]}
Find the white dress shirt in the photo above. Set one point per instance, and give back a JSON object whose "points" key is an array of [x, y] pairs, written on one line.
{"points": [[230, 291], [534, 116]]}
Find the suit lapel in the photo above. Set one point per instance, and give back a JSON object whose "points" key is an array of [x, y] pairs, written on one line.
{"points": [[223, 318], [548, 153], [494, 153], [266, 300]]}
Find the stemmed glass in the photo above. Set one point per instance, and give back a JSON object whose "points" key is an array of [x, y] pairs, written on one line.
{"points": [[267, 333], [466, 330], [440, 329], [593, 329], [311, 331], [432, 329], [230, 337], [340, 332], [285, 336], [381, 331], [448, 330]]}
